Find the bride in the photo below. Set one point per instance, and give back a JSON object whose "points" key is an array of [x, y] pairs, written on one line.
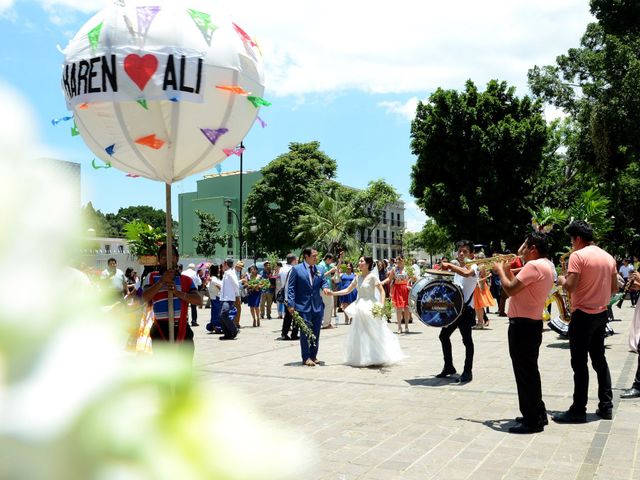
{"points": [[370, 342]]}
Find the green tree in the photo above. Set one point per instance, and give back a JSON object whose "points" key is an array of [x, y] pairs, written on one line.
{"points": [[143, 213], [287, 184], [208, 236], [597, 84], [329, 223], [435, 239], [95, 220], [479, 154], [370, 203]]}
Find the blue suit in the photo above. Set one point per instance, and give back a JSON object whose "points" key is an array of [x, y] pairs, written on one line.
{"points": [[304, 296]]}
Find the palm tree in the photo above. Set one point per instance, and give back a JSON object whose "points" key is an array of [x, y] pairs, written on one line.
{"points": [[329, 223]]}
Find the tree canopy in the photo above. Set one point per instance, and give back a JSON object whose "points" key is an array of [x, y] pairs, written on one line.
{"points": [[208, 236], [597, 85], [277, 199], [478, 157]]}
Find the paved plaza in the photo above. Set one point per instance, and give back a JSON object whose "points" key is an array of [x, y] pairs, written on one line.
{"points": [[403, 423]]}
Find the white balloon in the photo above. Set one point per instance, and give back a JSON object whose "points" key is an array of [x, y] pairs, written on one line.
{"points": [[136, 71]]}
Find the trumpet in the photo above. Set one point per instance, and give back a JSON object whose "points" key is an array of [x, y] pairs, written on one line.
{"points": [[488, 262]]}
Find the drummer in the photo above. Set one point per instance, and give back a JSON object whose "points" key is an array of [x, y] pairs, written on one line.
{"points": [[466, 278]]}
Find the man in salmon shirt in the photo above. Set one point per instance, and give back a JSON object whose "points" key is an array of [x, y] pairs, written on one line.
{"points": [[528, 292], [591, 279]]}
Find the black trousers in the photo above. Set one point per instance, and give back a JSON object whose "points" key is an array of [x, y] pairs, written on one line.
{"points": [[586, 339], [525, 337], [464, 324], [194, 313], [287, 320]]}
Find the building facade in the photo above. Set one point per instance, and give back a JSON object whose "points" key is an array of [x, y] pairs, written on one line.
{"points": [[212, 195], [385, 239], [214, 191]]}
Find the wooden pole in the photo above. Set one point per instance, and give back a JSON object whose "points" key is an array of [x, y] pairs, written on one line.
{"points": [[169, 227]]}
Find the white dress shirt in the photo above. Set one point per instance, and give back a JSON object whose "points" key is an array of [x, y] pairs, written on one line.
{"points": [[230, 286]]}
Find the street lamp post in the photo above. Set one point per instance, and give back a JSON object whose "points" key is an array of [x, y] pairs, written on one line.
{"points": [[254, 228], [227, 203]]}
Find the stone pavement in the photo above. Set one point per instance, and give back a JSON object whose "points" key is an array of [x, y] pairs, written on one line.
{"points": [[402, 423]]}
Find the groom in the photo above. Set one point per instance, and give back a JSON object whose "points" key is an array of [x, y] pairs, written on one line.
{"points": [[303, 295]]}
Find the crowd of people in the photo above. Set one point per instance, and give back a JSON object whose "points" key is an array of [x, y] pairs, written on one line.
{"points": [[308, 292]]}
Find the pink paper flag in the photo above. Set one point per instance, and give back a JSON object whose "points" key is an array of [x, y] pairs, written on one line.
{"points": [[233, 151], [132, 175], [244, 35]]}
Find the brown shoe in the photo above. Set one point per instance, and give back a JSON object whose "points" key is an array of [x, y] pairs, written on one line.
{"points": [[327, 327], [318, 362], [309, 363]]}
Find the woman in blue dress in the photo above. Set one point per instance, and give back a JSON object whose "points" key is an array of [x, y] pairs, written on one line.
{"points": [[345, 300], [254, 292]]}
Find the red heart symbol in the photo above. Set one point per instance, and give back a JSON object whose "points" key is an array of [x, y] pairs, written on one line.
{"points": [[140, 69]]}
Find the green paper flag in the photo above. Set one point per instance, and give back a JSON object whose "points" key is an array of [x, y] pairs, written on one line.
{"points": [[143, 102], [203, 22], [94, 36], [258, 101], [74, 130]]}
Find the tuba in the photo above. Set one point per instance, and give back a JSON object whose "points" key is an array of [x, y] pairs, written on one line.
{"points": [[562, 298]]}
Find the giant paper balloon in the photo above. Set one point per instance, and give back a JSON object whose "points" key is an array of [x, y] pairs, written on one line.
{"points": [[142, 81]]}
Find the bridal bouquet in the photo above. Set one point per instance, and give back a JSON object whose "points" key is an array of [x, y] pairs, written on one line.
{"points": [[304, 328], [380, 310]]}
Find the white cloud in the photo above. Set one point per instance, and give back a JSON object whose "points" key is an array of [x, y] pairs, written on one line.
{"points": [[406, 110], [414, 217], [5, 5], [405, 47]]}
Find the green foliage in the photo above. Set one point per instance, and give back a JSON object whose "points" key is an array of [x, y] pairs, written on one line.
{"points": [[208, 236], [95, 220], [112, 224], [328, 223], [435, 239], [143, 239], [370, 203], [479, 155], [593, 207], [287, 184], [597, 84]]}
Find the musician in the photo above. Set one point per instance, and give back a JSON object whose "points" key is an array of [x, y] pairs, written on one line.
{"points": [[466, 278], [591, 280], [528, 291]]}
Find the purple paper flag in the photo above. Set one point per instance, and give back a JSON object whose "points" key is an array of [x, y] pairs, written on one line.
{"points": [[262, 122], [213, 135], [145, 18]]}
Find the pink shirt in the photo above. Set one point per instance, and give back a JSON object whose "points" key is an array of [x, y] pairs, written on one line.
{"points": [[537, 276], [595, 267]]}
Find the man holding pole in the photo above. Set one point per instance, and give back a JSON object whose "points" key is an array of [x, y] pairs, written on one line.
{"points": [[159, 286]]}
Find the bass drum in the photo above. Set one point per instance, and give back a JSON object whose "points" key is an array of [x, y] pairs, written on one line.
{"points": [[436, 300]]}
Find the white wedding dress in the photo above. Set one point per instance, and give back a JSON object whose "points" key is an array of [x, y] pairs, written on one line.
{"points": [[370, 342]]}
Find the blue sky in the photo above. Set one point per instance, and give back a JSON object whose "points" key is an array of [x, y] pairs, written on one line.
{"points": [[347, 74]]}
